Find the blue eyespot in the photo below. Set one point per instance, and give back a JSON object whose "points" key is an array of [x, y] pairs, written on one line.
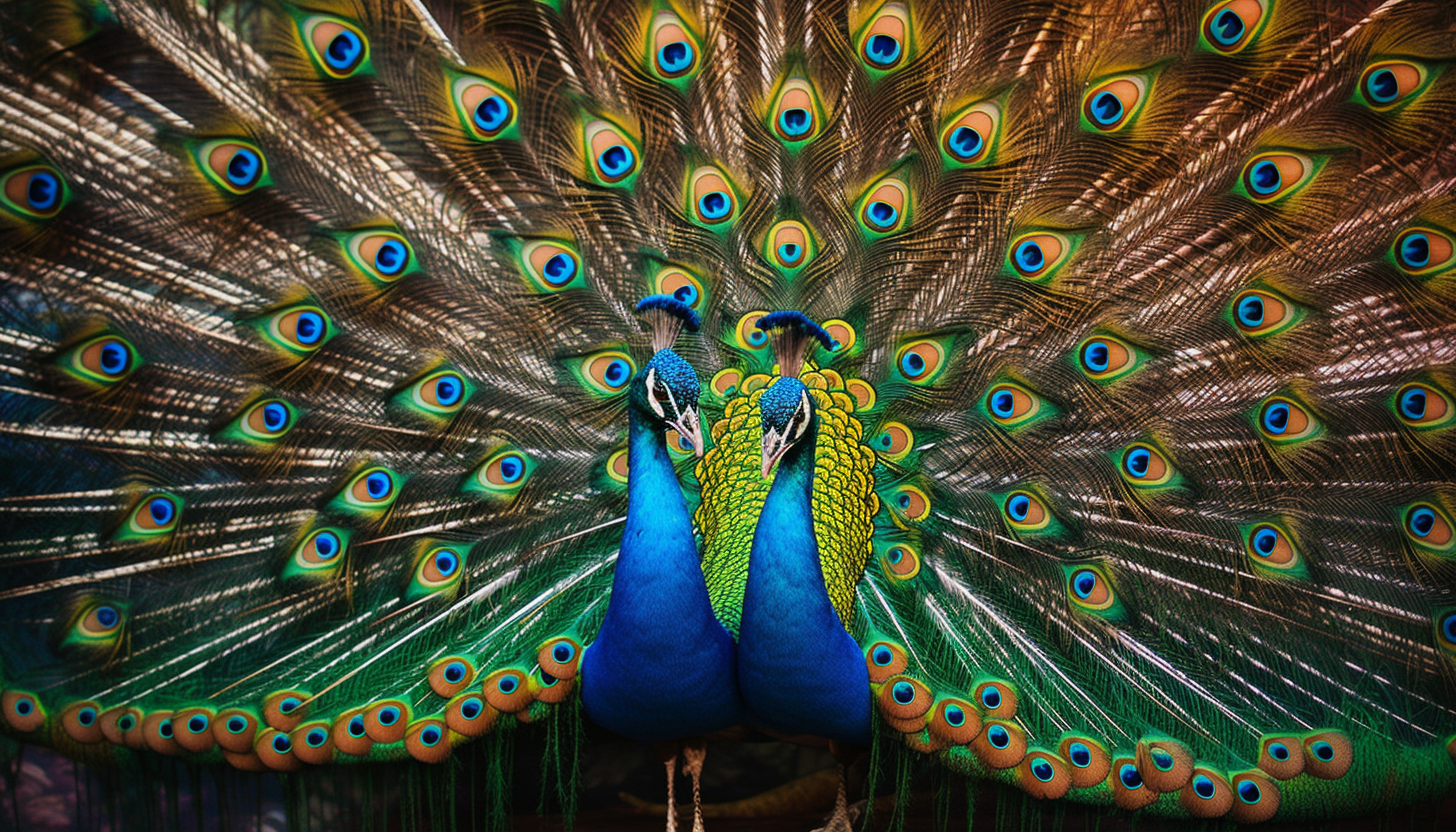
{"points": [[1003, 404], [1136, 462], [1029, 256], [391, 258], [446, 562], [245, 168], [991, 697], [309, 328], [790, 252], [162, 510], [115, 358], [126, 723], [164, 729], [795, 121], [107, 616], [1203, 787], [1279, 751], [86, 716], [1084, 582], [882, 50], [454, 671], [1448, 628], [1129, 776], [954, 716], [275, 417], [1415, 251], [1382, 86], [23, 707], [1276, 418], [1323, 750], [1228, 27], [282, 744], [316, 737], [912, 364], [616, 160], [714, 205], [1042, 770], [236, 725], [448, 389], [326, 545], [1162, 759], [507, 685], [1265, 539], [617, 373], [343, 51], [882, 656], [882, 214], [388, 715], [998, 737], [197, 723], [287, 705], [1096, 356], [1413, 403], [903, 693], [1106, 108], [1249, 792], [1080, 755], [356, 727], [675, 57], [965, 142], [1421, 521], [1251, 311], [563, 652], [470, 708], [687, 293], [430, 735], [1018, 507], [1264, 178], [511, 468], [491, 113], [378, 485], [560, 268], [43, 191]]}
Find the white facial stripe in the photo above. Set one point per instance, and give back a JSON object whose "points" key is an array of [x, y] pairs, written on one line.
{"points": [[652, 394]]}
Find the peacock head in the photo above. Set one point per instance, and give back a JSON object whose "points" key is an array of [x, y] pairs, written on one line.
{"points": [[786, 409], [667, 389]]}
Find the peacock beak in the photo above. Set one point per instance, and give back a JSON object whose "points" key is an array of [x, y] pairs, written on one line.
{"points": [[774, 446], [690, 427]]}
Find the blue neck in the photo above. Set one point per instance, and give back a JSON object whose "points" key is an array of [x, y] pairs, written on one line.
{"points": [[785, 555]]}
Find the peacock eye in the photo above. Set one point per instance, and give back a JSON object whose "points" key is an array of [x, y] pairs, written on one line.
{"points": [[300, 330], [681, 285], [33, 192], [370, 492], [502, 475], [747, 335], [155, 514], [96, 625], [1232, 25], [486, 110], [1143, 466], [380, 256], [1039, 255], [1423, 406], [441, 393], [1270, 177], [438, 570], [1113, 104], [234, 165], [789, 246], [612, 156], [969, 137], [920, 362], [1424, 251], [1105, 358], [338, 49], [319, 555], [266, 420], [1025, 512], [103, 360], [1258, 312], [712, 200], [1014, 406], [884, 43], [1282, 420], [796, 116], [1089, 589], [885, 208], [608, 373], [1428, 526], [1388, 84], [551, 265], [672, 49]]}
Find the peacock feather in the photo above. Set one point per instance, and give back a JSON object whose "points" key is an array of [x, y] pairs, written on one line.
{"points": [[330, 434]]}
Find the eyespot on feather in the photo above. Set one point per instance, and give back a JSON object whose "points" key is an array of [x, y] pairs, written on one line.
{"points": [[885, 43], [81, 721], [450, 675], [1128, 789], [970, 138], [1231, 26], [153, 515], [551, 265], [428, 740], [1024, 511], [470, 715], [1044, 775], [561, 657], [1281, 756], [546, 687], [22, 711], [1165, 765], [901, 561], [894, 442], [904, 702], [236, 167], [192, 728], [285, 709], [122, 725], [386, 720], [673, 51], [1328, 754], [747, 335], [1088, 760], [234, 730], [1114, 104], [382, 257], [337, 47], [796, 116], [613, 157], [95, 626], [1391, 83], [712, 200], [1256, 798], [313, 743], [789, 246], [487, 111], [1422, 406], [349, 734], [1105, 358], [103, 360], [1143, 466], [1260, 313], [1273, 176], [1429, 527], [1283, 421], [1207, 795], [885, 659], [921, 361], [507, 690], [862, 392], [885, 207], [159, 733], [299, 330], [1000, 744], [1424, 251], [33, 192], [996, 698], [955, 721], [275, 750], [502, 475]]}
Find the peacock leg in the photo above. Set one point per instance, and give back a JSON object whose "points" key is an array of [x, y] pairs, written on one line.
{"points": [[693, 766], [668, 752]]}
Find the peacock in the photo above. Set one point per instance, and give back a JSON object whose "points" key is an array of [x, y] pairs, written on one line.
{"points": [[1057, 394]]}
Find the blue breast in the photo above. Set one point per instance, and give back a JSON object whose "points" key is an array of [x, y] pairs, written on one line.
{"points": [[662, 666], [798, 670]]}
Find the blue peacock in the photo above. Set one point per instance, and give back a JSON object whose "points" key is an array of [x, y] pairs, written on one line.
{"points": [[1077, 379]]}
